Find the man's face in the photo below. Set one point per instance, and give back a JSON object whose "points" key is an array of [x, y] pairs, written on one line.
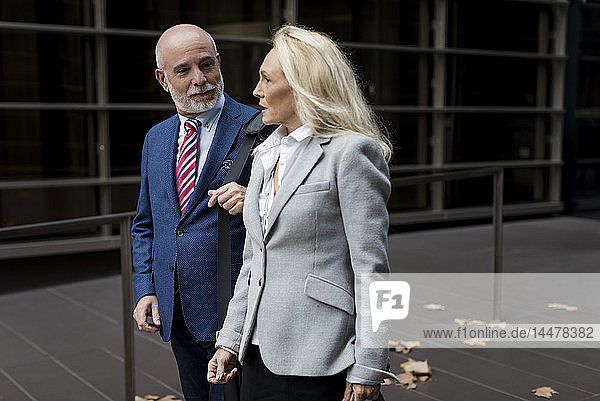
{"points": [[191, 73]]}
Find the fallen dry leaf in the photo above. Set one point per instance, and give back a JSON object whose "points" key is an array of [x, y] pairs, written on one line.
{"points": [[563, 307], [406, 378], [434, 307], [545, 392], [477, 322], [150, 397], [468, 322], [413, 370], [417, 368], [407, 346], [476, 341]]}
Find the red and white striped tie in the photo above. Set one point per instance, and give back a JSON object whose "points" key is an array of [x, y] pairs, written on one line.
{"points": [[185, 174]]}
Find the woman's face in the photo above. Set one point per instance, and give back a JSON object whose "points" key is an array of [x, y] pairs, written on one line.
{"points": [[275, 94]]}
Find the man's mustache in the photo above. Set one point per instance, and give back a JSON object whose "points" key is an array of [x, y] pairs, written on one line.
{"points": [[201, 89]]}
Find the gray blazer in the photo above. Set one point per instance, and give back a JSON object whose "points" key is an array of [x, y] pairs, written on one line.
{"points": [[328, 222]]}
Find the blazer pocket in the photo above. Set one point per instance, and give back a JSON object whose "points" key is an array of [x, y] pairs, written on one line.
{"points": [[313, 187], [329, 293]]}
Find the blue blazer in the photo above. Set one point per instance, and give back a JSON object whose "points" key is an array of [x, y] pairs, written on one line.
{"points": [[164, 240]]}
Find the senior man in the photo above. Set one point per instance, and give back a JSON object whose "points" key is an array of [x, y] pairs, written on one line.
{"points": [[184, 161]]}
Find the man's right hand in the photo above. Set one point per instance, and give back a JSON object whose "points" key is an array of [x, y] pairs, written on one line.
{"points": [[147, 306]]}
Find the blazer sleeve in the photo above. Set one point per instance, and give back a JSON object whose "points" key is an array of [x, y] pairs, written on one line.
{"points": [[364, 188], [230, 335], [143, 236]]}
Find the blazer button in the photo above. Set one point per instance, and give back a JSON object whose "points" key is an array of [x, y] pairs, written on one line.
{"points": [[259, 282], [179, 232], [171, 268]]}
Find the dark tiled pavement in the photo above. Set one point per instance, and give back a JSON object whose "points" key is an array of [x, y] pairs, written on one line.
{"points": [[63, 341]]}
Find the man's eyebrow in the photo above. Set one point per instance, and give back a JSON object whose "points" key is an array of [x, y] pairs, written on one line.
{"points": [[208, 58], [178, 66]]}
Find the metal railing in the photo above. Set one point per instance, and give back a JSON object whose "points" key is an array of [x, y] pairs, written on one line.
{"points": [[498, 205], [496, 172], [124, 221]]}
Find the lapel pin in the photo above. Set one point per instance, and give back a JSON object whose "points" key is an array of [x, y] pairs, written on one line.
{"points": [[227, 163]]}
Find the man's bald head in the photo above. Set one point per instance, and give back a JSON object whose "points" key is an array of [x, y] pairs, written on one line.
{"points": [[176, 35], [189, 68]]}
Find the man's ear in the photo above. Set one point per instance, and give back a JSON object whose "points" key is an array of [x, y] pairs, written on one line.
{"points": [[219, 59], [160, 77]]}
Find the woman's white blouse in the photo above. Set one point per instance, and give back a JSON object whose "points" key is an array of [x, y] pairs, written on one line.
{"points": [[285, 148]]}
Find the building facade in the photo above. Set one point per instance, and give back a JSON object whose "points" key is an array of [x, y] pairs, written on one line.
{"points": [[458, 84]]}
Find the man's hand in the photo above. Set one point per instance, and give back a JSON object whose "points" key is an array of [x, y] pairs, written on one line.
{"points": [[147, 306], [230, 197], [361, 392], [221, 367]]}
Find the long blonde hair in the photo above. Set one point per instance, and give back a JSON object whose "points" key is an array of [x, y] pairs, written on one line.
{"points": [[328, 97]]}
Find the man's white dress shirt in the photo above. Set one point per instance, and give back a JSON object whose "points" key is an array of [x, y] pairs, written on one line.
{"points": [[207, 125]]}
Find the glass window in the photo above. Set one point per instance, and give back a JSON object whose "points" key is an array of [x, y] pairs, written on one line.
{"points": [[46, 144], [127, 132], [409, 198], [239, 65], [44, 67], [588, 131], [409, 133], [131, 65], [68, 12], [493, 24], [392, 78], [481, 137], [589, 83], [587, 180], [377, 21], [124, 197], [47, 204], [519, 187], [586, 168], [590, 29], [491, 81], [237, 17]]}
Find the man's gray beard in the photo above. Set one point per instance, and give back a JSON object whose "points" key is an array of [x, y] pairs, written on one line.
{"points": [[187, 105]]}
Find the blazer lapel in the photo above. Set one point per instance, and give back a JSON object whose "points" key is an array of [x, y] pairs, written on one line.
{"points": [[251, 212], [228, 128], [170, 154], [300, 170]]}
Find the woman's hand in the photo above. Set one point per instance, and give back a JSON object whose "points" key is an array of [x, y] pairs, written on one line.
{"points": [[221, 367], [361, 392]]}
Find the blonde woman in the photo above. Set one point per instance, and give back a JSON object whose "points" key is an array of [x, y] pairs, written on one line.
{"points": [[315, 213]]}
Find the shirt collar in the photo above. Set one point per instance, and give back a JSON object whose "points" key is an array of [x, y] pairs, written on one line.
{"points": [[209, 117], [299, 134]]}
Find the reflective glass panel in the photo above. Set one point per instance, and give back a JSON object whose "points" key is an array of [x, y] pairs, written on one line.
{"points": [[45, 67]]}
